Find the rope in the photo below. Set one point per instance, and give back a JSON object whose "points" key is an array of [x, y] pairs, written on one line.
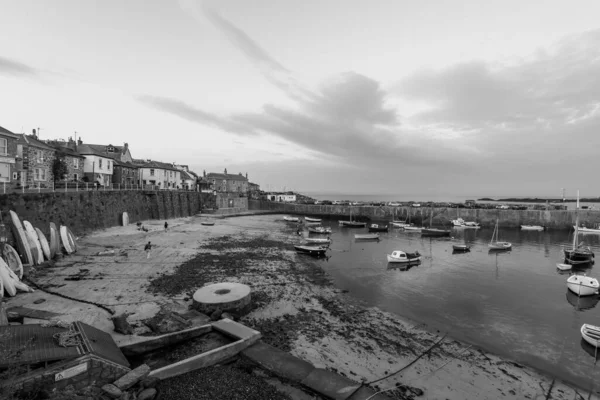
{"points": [[69, 338], [102, 306]]}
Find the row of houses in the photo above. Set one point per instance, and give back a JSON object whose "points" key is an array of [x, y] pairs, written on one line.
{"points": [[27, 161]]}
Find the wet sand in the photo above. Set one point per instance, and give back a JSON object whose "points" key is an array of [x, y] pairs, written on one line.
{"points": [[296, 307]]}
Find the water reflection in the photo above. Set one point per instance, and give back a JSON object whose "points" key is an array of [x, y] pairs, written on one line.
{"points": [[403, 267], [582, 303], [591, 350]]}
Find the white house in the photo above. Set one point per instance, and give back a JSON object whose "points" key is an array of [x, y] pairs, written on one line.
{"points": [[156, 173], [281, 197], [97, 167]]}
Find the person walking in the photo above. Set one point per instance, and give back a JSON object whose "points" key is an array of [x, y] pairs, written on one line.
{"points": [[166, 226], [147, 248]]}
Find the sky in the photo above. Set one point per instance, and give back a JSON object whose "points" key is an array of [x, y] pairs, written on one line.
{"points": [[474, 97]]}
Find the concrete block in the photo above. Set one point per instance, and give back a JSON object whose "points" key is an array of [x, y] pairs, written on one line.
{"points": [[279, 362], [234, 329], [330, 384]]}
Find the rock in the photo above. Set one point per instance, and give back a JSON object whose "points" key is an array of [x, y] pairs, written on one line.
{"points": [[125, 396], [112, 391], [167, 322], [147, 394], [141, 330], [121, 324], [227, 315], [132, 377], [216, 315], [39, 301], [149, 382]]}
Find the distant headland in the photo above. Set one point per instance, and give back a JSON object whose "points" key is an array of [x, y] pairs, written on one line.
{"points": [[538, 200]]}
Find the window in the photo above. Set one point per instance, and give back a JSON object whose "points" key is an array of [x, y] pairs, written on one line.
{"points": [[39, 155], [108, 165], [76, 163], [110, 149], [39, 174], [171, 174], [151, 172], [75, 177], [3, 146], [99, 163], [15, 175]]}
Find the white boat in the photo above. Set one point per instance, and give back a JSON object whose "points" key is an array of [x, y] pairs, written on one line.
{"points": [[54, 240], [563, 267], [366, 236], [312, 219], [532, 228], [583, 229], [578, 254], [34, 243], [461, 247], [21, 237], [471, 225], [458, 222], [318, 240], [125, 218], [66, 240], [591, 334], [13, 260], [583, 285], [44, 243], [320, 229], [415, 229], [402, 257], [291, 219], [496, 244], [7, 281]]}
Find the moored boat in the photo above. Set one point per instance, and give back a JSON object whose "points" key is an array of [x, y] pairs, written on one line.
{"points": [[583, 229], [497, 244], [532, 228], [435, 232], [563, 267], [458, 222], [402, 257], [291, 219], [366, 236], [471, 225], [308, 219], [461, 247], [320, 229], [311, 250], [591, 334], [353, 224], [378, 228], [578, 254], [318, 240], [583, 285], [411, 229], [207, 223]]}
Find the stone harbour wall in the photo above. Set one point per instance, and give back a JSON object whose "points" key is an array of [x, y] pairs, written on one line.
{"points": [[89, 210], [552, 219]]}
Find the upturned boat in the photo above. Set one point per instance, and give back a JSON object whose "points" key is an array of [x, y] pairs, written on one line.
{"points": [[583, 285], [402, 257], [495, 243], [320, 229], [378, 228], [578, 254], [315, 251]]}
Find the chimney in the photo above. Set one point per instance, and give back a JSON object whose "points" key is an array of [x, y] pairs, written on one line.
{"points": [[225, 171], [71, 144], [34, 134], [204, 173], [246, 176], [79, 141], [125, 147]]}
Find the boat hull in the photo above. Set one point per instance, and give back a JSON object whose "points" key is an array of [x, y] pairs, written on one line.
{"points": [[45, 246], [207, 223], [433, 232], [312, 219], [34, 243], [13, 260], [583, 285], [21, 236], [579, 256], [500, 246], [352, 224], [291, 219], [460, 247], [378, 229], [591, 334], [54, 240], [318, 240], [532, 228], [367, 237], [564, 267], [587, 230], [313, 251], [320, 231]]}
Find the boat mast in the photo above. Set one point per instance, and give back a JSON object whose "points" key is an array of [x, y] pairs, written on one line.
{"points": [[575, 238], [431, 217]]}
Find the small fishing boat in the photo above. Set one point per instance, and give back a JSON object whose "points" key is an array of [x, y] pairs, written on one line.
{"points": [[459, 222], [472, 225], [291, 219], [461, 247], [320, 229], [532, 228], [311, 250], [412, 229], [318, 240], [352, 224], [399, 256], [578, 254], [434, 232], [312, 223], [563, 267], [366, 236], [207, 223], [583, 229], [591, 334], [497, 244], [378, 228], [583, 285], [308, 219]]}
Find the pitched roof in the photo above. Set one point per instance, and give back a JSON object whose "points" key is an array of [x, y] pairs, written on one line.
{"points": [[5, 131], [98, 150], [31, 141], [185, 176], [155, 164], [66, 150], [126, 164], [229, 177]]}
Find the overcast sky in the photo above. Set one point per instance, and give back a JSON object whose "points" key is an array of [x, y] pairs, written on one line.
{"points": [[420, 97]]}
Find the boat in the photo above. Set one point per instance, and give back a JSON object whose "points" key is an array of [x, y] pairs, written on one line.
{"points": [[472, 225], [412, 229], [320, 229], [591, 334], [532, 228], [578, 254], [459, 222], [291, 219], [12, 259], [583, 285], [496, 244], [44, 243], [583, 229], [308, 219], [66, 240], [563, 267], [318, 240], [378, 228], [352, 224], [366, 236], [402, 257], [125, 218], [72, 240], [7, 281], [21, 237], [34, 243], [311, 250], [54, 240], [461, 247], [435, 232], [207, 223]]}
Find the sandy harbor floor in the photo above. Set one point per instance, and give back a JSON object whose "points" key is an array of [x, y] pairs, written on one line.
{"points": [[296, 307]]}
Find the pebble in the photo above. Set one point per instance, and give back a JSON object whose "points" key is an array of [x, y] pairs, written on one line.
{"points": [[147, 394], [112, 391]]}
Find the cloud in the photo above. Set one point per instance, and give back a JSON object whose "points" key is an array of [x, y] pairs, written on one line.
{"points": [[15, 68]]}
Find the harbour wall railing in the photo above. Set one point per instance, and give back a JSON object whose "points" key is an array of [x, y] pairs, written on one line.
{"points": [[551, 219]]}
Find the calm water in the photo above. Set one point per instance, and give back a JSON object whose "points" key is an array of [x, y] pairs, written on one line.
{"points": [[514, 304]]}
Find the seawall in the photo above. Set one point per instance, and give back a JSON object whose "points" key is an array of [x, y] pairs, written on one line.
{"points": [[89, 210], [552, 219]]}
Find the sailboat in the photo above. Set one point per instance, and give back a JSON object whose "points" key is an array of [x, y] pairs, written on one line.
{"points": [[496, 244], [352, 224], [578, 254], [401, 224], [434, 231]]}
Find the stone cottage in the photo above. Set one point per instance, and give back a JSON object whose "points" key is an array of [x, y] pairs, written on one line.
{"points": [[36, 161], [9, 175]]}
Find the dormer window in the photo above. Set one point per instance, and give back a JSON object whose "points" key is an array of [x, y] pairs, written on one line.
{"points": [[110, 149]]}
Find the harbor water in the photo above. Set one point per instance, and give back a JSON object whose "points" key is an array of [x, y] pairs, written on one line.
{"points": [[515, 304]]}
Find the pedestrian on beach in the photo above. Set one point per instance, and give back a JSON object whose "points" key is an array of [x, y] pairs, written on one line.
{"points": [[166, 226], [148, 247]]}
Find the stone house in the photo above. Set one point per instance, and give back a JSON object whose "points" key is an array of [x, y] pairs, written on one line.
{"points": [[9, 174], [125, 173], [73, 160], [229, 183], [37, 158], [97, 166], [253, 191]]}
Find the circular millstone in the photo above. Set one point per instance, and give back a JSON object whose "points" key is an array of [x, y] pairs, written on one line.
{"points": [[226, 296]]}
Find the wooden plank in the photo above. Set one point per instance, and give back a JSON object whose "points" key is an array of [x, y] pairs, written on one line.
{"points": [[164, 340], [204, 360], [31, 313]]}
